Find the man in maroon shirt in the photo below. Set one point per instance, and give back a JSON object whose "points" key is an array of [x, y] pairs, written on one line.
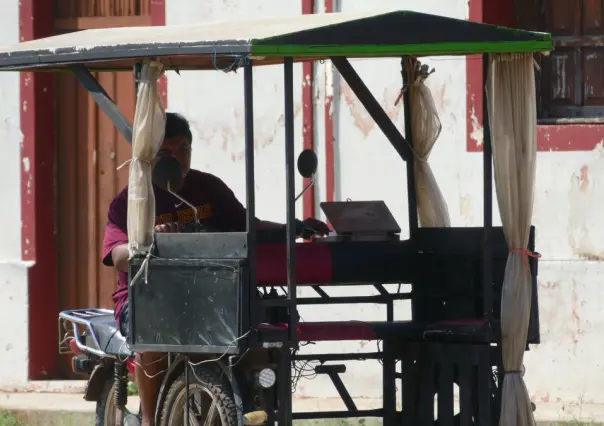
{"points": [[217, 208]]}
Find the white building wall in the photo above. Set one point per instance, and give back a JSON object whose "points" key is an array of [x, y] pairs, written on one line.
{"points": [[566, 366], [13, 272]]}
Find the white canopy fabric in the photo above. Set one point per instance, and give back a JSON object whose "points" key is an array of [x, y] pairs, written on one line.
{"points": [[425, 129], [513, 117], [147, 135]]}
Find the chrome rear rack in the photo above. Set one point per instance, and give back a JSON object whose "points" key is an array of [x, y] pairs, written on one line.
{"points": [[76, 323]]}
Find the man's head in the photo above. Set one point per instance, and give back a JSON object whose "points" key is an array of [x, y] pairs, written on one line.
{"points": [[177, 141]]}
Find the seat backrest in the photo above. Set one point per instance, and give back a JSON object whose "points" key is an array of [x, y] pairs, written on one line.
{"points": [[448, 279]]}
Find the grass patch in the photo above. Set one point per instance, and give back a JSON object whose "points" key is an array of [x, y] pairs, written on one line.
{"points": [[8, 418], [132, 389]]}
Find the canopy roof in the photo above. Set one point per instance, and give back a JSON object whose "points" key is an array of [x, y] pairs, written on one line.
{"points": [[214, 44]]}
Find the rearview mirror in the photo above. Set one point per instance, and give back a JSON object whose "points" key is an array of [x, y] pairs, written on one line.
{"points": [[167, 170], [307, 163]]}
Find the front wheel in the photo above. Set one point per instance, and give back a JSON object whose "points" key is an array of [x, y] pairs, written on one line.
{"points": [[211, 400]]}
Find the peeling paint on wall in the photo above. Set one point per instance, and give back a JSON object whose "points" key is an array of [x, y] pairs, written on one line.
{"points": [[585, 230]]}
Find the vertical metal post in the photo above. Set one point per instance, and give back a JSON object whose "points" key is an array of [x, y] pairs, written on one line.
{"points": [[487, 165], [411, 193], [290, 195], [390, 311], [250, 290], [389, 384], [284, 388], [187, 395], [138, 67]]}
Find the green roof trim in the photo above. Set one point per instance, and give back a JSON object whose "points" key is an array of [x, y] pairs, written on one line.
{"points": [[402, 33], [403, 49]]}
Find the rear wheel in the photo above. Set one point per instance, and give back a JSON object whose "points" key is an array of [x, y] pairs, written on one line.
{"points": [[106, 413], [211, 401]]}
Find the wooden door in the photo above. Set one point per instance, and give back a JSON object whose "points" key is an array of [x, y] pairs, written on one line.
{"points": [[89, 150]]}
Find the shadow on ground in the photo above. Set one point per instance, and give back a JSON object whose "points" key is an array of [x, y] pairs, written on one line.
{"points": [[62, 418]]}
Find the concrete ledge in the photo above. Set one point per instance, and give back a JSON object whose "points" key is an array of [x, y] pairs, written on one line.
{"points": [[45, 418], [70, 409], [47, 386], [63, 418]]}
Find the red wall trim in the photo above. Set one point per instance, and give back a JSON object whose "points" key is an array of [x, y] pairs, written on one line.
{"points": [[36, 19], [474, 87], [158, 19], [500, 12], [330, 153], [569, 137], [308, 115]]}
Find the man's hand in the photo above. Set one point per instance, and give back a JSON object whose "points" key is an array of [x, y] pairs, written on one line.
{"points": [[316, 226], [167, 227]]}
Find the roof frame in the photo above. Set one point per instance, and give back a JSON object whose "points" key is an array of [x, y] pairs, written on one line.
{"points": [[373, 107], [269, 40], [103, 100]]}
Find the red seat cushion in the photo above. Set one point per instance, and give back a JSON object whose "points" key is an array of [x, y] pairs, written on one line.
{"points": [[313, 264]]}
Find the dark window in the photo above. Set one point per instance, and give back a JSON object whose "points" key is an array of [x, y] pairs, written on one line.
{"points": [[571, 79]]}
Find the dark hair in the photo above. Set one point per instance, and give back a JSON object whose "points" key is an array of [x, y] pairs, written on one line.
{"points": [[177, 125]]}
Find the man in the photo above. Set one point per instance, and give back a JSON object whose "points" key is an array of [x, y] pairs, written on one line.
{"points": [[217, 207]]}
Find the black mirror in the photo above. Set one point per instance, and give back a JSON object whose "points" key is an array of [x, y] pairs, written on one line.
{"points": [[167, 170], [307, 163]]}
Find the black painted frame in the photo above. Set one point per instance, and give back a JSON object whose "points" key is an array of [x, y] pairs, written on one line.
{"points": [[251, 305]]}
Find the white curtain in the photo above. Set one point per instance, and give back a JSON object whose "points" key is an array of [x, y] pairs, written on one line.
{"points": [[513, 118], [147, 135], [425, 129]]}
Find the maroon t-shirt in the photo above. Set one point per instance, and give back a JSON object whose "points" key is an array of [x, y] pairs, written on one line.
{"points": [[217, 208]]}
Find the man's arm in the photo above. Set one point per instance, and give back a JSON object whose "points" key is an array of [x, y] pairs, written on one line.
{"points": [[233, 216], [115, 241], [119, 256]]}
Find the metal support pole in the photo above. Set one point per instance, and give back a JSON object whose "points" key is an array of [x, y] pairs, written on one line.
{"points": [[284, 389], [103, 100], [290, 195], [411, 192], [250, 291], [138, 67], [187, 395], [373, 107], [487, 158], [389, 384]]}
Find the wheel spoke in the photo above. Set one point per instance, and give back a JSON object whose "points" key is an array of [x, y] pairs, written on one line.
{"points": [[194, 418], [212, 414], [196, 404], [195, 409]]}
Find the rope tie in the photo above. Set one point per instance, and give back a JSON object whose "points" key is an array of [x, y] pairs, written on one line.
{"points": [[417, 76], [527, 253], [519, 372], [133, 159]]}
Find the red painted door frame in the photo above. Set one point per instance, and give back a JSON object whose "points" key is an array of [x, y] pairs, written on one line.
{"points": [[500, 12], [38, 245], [36, 19], [330, 142], [308, 116]]}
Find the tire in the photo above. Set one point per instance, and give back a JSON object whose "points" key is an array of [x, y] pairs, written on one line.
{"points": [[105, 408], [214, 389]]}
